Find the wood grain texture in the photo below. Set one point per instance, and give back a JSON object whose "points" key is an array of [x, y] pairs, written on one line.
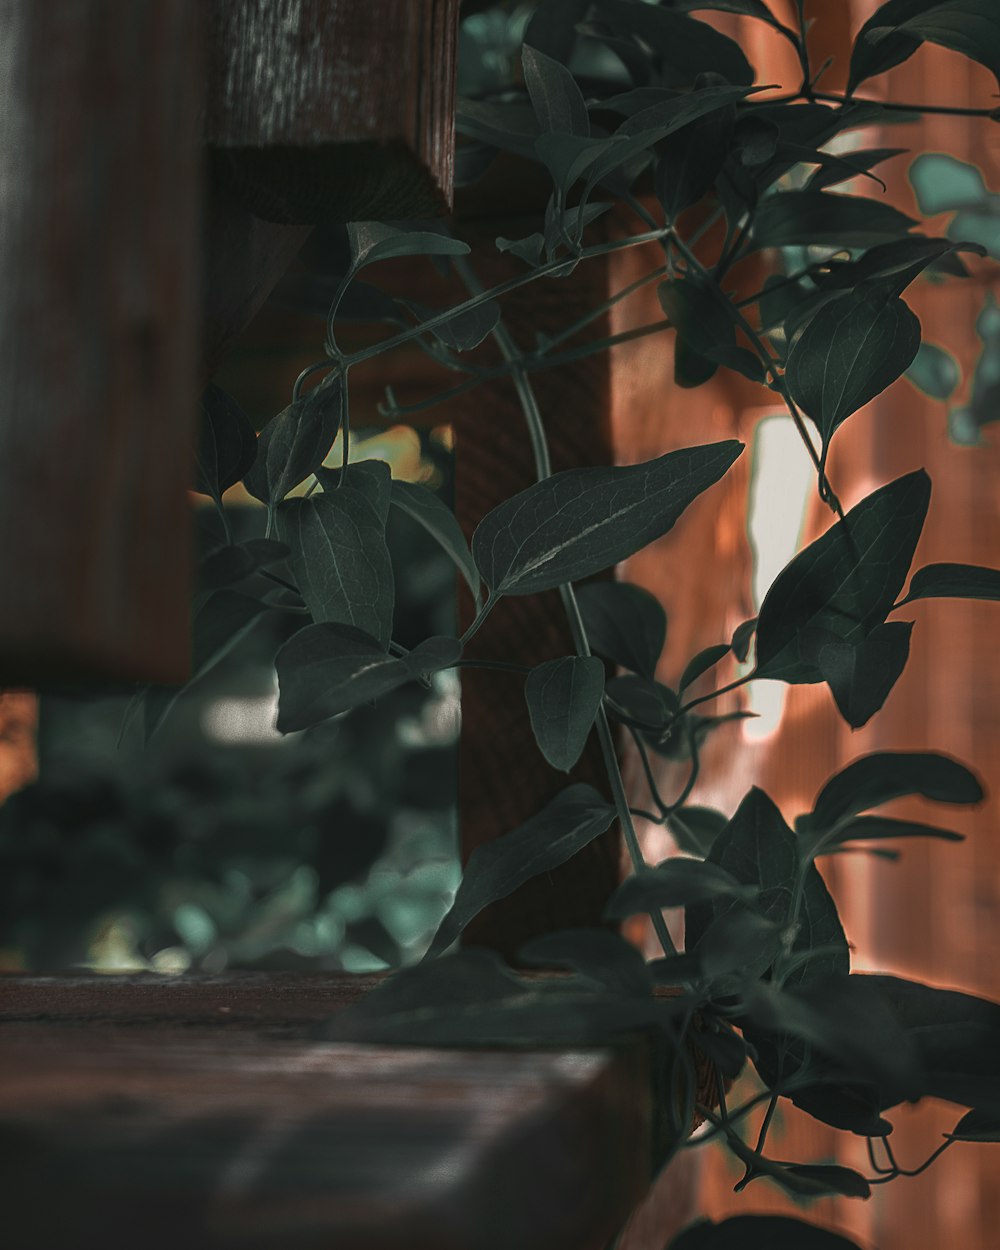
{"points": [[330, 110], [176, 1132], [98, 240]]}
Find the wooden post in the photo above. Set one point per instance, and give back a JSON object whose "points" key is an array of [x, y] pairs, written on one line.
{"points": [[98, 239]]}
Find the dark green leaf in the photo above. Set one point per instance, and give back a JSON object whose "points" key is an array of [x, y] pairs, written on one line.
{"points": [[978, 1125], [295, 442], [601, 956], [674, 883], [495, 869], [224, 567], [840, 168], [624, 623], [742, 8], [934, 371], [760, 1232], [862, 674], [555, 97], [437, 518], [686, 46], [698, 313], [552, 27], [941, 183], [581, 521], [862, 343], [875, 779], [472, 999], [689, 161], [819, 218], [340, 560], [896, 30], [816, 1179], [701, 663], [640, 701], [666, 111], [957, 1037], [735, 940], [227, 443], [325, 669], [467, 329], [877, 828], [740, 645], [696, 828], [370, 241], [845, 582], [889, 267], [563, 697], [221, 620], [954, 581]]}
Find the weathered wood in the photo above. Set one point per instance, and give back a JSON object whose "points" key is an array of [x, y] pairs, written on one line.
{"points": [[330, 110], [181, 1133], [98, 238]]}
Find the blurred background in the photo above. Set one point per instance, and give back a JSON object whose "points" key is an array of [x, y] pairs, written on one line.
{"points": [[220, 845]]}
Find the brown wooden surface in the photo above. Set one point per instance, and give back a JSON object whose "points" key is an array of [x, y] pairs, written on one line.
{"points": [[331, 110], [98, 241], [200, 1113]]}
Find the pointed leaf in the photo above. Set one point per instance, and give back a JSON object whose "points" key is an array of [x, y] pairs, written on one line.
{"points": [[601, 956], [567, 824], [845, 582], [581, 521], [689, 47], [640, 701], [674, 883], [370, 241], [740, 644], [819, 219], [841, 168], [862, 674], [701, 663], [954, 581], [555, 97], [689, 161], [872, 780], [563, 697], [295, 442], [978, 1125], [877, 828], [863, 341], [340, 559], [428, 510], [695, 829], [896, 30], [624, 623], [227, 443]]}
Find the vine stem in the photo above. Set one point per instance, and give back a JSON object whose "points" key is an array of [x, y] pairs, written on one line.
{"points": [[543, 469]]}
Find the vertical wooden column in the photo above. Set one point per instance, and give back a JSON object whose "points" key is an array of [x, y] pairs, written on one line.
{"points": [[98, 240]]}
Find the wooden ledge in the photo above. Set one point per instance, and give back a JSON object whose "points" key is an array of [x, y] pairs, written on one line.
{"points": [[128, 1116]]}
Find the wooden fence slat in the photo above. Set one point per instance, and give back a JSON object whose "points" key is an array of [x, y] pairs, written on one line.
{"points": [[98, 234]]}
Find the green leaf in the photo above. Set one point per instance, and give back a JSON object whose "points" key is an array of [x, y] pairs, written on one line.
{"points": [[840, 168], [624, 623], [863, 341], [581, 521], [326, 669], [701, 663], [742, 8], [896, 30], [740, 644], [844, 583], [641, 701], [695, 829], [227, 443], [688, 47], [737, 940], [340, 560], [567, 824], [760, 1232], [295, 442], [698, 313], [892, 266], [941, 183], [221, 620], [465, 330], [818, 1179], [689, 161], [875, 779], [563, 697], [370, 241], [862, 674], [878, 828], [224, 567], [428, 510], [953, 581], [934, 371], [822, 219], [674, 883], [980, 1124], [602, 957], [957, 1038], [555, 97]]}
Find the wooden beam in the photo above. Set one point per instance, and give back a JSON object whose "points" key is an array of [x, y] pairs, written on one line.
{"points": [[99, 105], [145, 1129]]}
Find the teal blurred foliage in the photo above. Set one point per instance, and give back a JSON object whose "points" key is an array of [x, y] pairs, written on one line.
{"points": [[204, 850]]}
